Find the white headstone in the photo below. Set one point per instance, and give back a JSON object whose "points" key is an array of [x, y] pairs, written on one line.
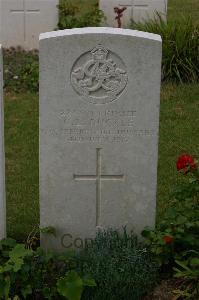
{"points": [[22, 21], [2, 157], [99, 120], [136, 10]]}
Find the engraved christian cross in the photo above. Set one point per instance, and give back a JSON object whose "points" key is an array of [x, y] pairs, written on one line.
{"points": [[98, 178]]}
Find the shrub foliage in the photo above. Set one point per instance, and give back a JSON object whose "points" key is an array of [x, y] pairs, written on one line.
{"points": [[21, 70], [175, 241], [180, 47], [73, 15], [121, 267], [114, 266]]}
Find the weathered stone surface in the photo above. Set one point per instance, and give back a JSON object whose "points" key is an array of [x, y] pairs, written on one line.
{"points": [[136, 10], [2, 157], [21, 21], [99, 120]]}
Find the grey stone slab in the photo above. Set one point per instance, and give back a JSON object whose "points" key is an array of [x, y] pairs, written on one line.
{"points": [[99, 121], [2, 157], [22, 21]]}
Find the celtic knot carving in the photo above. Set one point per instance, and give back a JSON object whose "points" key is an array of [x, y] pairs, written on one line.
{"points": [[99, 76]]}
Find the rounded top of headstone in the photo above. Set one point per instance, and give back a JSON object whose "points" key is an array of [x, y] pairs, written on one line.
{"points": [[100, 30]]}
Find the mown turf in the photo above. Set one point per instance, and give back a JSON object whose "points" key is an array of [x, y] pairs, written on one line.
{"points": [[179, 8], [21, 140], [178, 133]]}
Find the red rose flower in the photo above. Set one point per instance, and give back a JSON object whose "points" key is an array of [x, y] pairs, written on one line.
{"points": [[186, 163], [168, 239]]}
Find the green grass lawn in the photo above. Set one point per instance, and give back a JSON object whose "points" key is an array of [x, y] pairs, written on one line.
{"points": [[178, 133], [22, 146], [178, 8]]}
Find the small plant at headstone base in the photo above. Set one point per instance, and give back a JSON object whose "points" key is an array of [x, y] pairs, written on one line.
{"points": [[175, 241], [113, 266], [71, 15], [180, 47], [28, 274], [120, 265], [72, 285], [21, 70]]}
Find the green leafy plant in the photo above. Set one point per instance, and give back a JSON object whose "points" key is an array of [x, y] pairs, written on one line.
{"points": [[175, 241], [13, 263], [25, 273], [71, 286], [180, 47], [21, 70], [71, 15], [114, 266], [188, 271]]}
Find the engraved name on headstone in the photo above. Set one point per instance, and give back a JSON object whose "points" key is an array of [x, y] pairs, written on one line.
{"points": [[2, 159], [99, 120]]}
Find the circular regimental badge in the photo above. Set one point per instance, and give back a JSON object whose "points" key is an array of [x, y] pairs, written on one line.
{"points": [[99, 76]]}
